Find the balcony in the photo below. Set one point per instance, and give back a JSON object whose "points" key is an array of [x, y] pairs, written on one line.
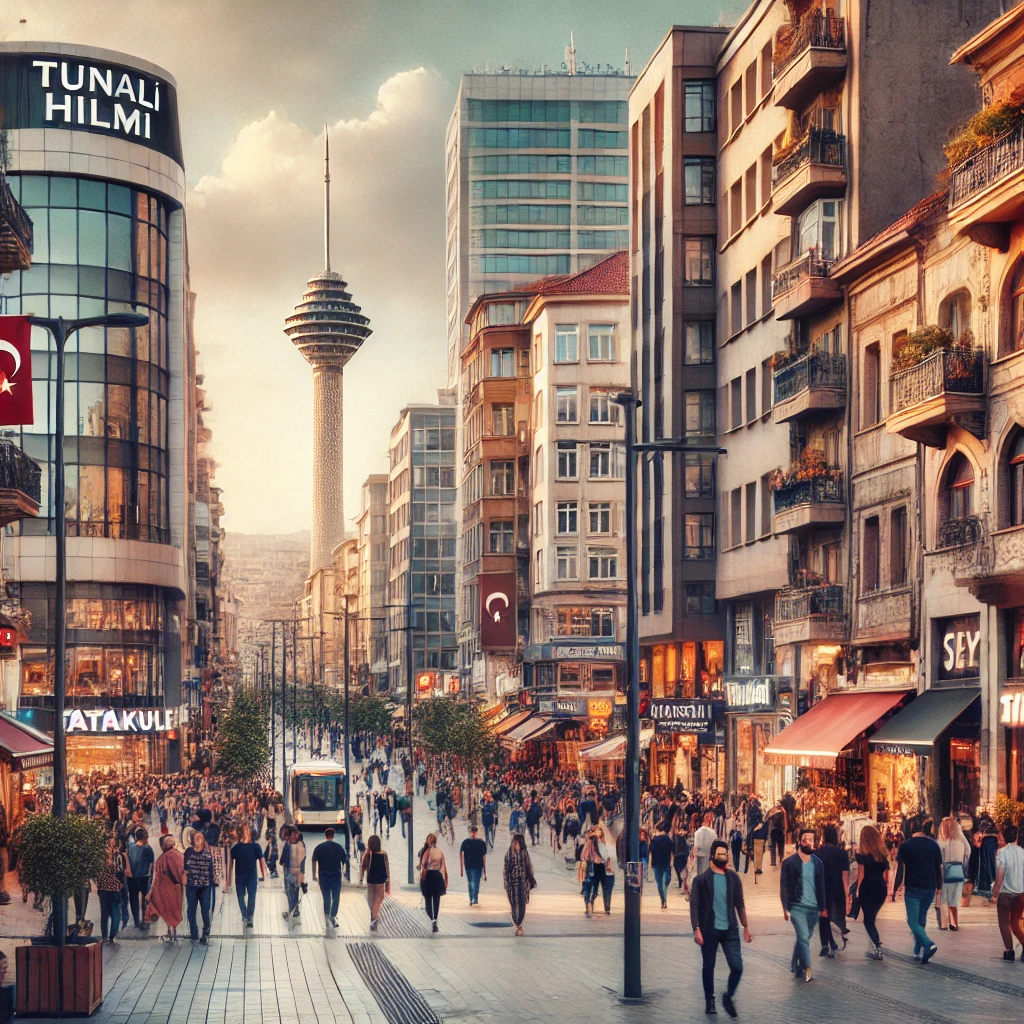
{"points": [[808, 503], [803, 287], [809, 614], [988, 564], [810, 60], [883, 616], [986, 191], [925, 399], [15, 232], [816, 169], [815, 383], [19, 484]]}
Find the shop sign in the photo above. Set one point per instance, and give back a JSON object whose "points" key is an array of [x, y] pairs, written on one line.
{"points": [[892, 748], [425, 681], [118, 721], [599, 707], [573, 707], [1012, 705], [960, 647], [889, 673], [52, 90], [685, 714], [754, 693], [576, 651]]}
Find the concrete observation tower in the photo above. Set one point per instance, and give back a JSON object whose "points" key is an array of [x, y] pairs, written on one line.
{"points": [[327, 327]]}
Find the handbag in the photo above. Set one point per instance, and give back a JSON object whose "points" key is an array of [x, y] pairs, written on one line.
{"points": [[953, 872]]}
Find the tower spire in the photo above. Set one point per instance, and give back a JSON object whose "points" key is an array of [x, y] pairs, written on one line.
{"points": [[327, 199]]}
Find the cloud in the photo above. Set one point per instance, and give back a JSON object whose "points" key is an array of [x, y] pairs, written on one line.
{"points": [[255, 230]]}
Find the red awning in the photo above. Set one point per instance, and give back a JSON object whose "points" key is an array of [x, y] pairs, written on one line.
{"points": [[23, 747], [815, 738]]}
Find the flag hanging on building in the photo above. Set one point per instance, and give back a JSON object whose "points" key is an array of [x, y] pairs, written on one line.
{"points": [[15, 371]]}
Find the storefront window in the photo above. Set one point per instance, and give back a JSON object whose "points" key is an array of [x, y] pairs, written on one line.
{"points": [[743, 642], [658, 671], [894, 785]]}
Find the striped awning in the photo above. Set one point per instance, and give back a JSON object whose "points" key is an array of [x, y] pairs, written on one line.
{"points": [[613, 748]]}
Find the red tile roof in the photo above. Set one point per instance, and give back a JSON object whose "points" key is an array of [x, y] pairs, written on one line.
{"points": [[609, 277], [917, 214]]}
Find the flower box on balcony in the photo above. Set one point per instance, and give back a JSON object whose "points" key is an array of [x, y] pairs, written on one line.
{"points": [[807, 495], [804, 287], [814, 382]]}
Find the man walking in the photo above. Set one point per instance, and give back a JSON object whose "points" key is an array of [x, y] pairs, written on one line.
{"points": [[245, 855], [489, 817], [703, 839], [473, 864], [716, 904], [661, 851], [919, 866], [533, 815], [802, 890], [1008, 892], [328, 859], [837, 887], [140, 874], [293, 858]]}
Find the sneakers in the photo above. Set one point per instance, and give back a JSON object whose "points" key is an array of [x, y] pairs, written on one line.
{"points": [[1009, 956], [875, 953], [808, 976], [727, 1003], [433, 926], [373, 926], [929, 953], [295, 912], [204, 941], [664, 906], [828, 952], [709, 1005]]}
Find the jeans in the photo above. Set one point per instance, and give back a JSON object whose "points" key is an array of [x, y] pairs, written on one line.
{"points": [[137, 889], [730, 943], [803, 919], [918, 902], [245, 890], [330, 889], [110, 913], [291, 890], [124, 903], [473, 881], [663, 879], [197, 894], [836, 907], [777, 844], [489, 830]]}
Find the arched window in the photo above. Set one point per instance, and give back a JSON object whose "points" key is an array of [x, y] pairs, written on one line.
{"points": [[1015, 480], [955, 314], [1015, 340], [959, 489]]}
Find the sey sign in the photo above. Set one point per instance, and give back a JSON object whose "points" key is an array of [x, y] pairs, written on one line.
{"points": [[960, 653]]}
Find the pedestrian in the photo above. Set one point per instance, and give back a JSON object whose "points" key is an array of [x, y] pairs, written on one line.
{"points": [[329, 858], [702, 840], [802, 890], [108, 888], [489, 817], [777, 834], [680, 855], [661, 851], [533, 815], [516, 820], [759, 837], [165, 896], [716, 911], [293, 862], [872, 883], [433, 878], [597, 872], [473, 863], [836, 862], [198, 865], [245, 856], [1008, 892], [919, 866], [140, 875], [519, 880], [956, 853], [377, 871]]}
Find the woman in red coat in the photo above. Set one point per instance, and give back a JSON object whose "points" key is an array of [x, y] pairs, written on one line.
{"points": [[165, 897]]}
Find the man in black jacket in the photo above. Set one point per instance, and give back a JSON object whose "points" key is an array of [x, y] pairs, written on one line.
{"points": [[802, 890], [716, 903]]}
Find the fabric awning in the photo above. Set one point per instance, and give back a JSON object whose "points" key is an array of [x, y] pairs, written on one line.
{"points": [[492, 713], [531, 729], [815, 739], [506, 725], [917, 726], [614, 747], [23, 747]]}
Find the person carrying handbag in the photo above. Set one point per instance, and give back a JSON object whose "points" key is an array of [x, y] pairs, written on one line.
{"points": [[956, 852]]}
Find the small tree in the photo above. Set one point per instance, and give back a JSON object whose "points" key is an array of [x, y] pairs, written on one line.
{"points": [[372, 715], [242, 746], [455, 731]]}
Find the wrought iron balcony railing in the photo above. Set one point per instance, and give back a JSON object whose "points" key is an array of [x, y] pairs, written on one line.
{"points": [[960, 531], [18, 472], [823, 32], [15, 232], [959, 371], [820, 490], [815, 370], [797, 272], [996, 160], [819, 146], [803, 603]]}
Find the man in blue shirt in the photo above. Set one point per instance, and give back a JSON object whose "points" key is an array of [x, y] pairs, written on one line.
{"points": [[802, 890]]}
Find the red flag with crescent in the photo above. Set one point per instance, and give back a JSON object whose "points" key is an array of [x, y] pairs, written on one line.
{"points": [[15, 371], [498, 625]]}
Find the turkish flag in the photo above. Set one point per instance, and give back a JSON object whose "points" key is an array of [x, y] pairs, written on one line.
{"points": [[15, 371], [498, 625]]}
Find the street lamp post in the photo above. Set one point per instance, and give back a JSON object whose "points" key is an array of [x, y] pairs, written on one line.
{"points": [[632, 988]]}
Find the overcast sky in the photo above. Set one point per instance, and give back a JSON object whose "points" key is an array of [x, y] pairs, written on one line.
{"points": [[257, 81]]}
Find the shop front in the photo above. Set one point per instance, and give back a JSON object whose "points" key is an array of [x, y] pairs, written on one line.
{"points": [[677, 670], [124, 742], [757, 709], [1011, 706], [580, 666], [688, 748], [26, 763], [605, 760], [828, 747]]}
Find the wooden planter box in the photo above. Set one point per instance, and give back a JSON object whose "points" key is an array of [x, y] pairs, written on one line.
{"points": [[36, 968]]}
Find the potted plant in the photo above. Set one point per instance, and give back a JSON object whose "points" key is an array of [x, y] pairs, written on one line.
{"points": [[57, 975]]}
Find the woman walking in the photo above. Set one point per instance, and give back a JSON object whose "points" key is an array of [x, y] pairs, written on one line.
{"points": [[956, 853], [597, 873], [433, 878], [168, 887], [377, 869], [519, 880], [872, 883], [199, 883], [108, 887]]}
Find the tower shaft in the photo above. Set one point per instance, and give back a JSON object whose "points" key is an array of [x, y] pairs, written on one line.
{"points": [[328, 455]]}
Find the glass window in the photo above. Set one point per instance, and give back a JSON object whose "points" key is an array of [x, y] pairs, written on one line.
{"points": [[503, 419], [565, 563], [602, 408], [959, 496], [565, 405], [567, 518], [566, 343], [699, 346], [602, 622], [699, 412], [700, 598], [566, 453], [699, 475], [699, 535], [601, 338], [600, 461], [1017, 308], [502, 478], [604, 564], [502, 537], [503, 362], [699, 104], [819, 230], [699, 261], [600, 517], [1015, 480], [699, 180]]}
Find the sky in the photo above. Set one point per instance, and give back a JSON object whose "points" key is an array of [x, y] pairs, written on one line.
{"points": [[257, 83]]}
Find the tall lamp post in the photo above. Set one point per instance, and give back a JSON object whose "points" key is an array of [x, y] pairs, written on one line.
{"points": [[632, 989], [61, 329]]}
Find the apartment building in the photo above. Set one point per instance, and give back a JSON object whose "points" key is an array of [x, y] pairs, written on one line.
{"points": [[370, 627]]}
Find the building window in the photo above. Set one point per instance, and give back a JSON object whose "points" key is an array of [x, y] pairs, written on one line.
{"points": [[699, 101], [601, 340], [604, 563], [699, 261], [699, 180], [501, 538], [503, 362], [602, 408], [751, 379], [736, 517], [1016, 339], [503, 478], [565, 564], [538, 519], [955, 314], [600, 517], [872, 381], [898, 547], [566, 452], [699, 535], [956, 499], [600, 461], [503, 420], [602, 622], [750, 533], [766, 505], [869, 556], [700, 598], [568, 515], [567, 343], [699, 343], [699, 414], [699, 475], [565, 405], [819, 230], [735, 403]]}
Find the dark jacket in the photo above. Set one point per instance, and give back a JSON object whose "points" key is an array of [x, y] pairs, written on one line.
{"points": [[791, 881], [702, 900]]}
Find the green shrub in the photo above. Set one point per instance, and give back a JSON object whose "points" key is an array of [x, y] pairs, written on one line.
{"points": [[60, 855]]}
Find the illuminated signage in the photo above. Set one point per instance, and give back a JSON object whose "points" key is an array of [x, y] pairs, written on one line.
{"points": [[122, 721], [599, 708], [682, 715], [425, 681], [1012, 705], [571, 708], [960, 653]]}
